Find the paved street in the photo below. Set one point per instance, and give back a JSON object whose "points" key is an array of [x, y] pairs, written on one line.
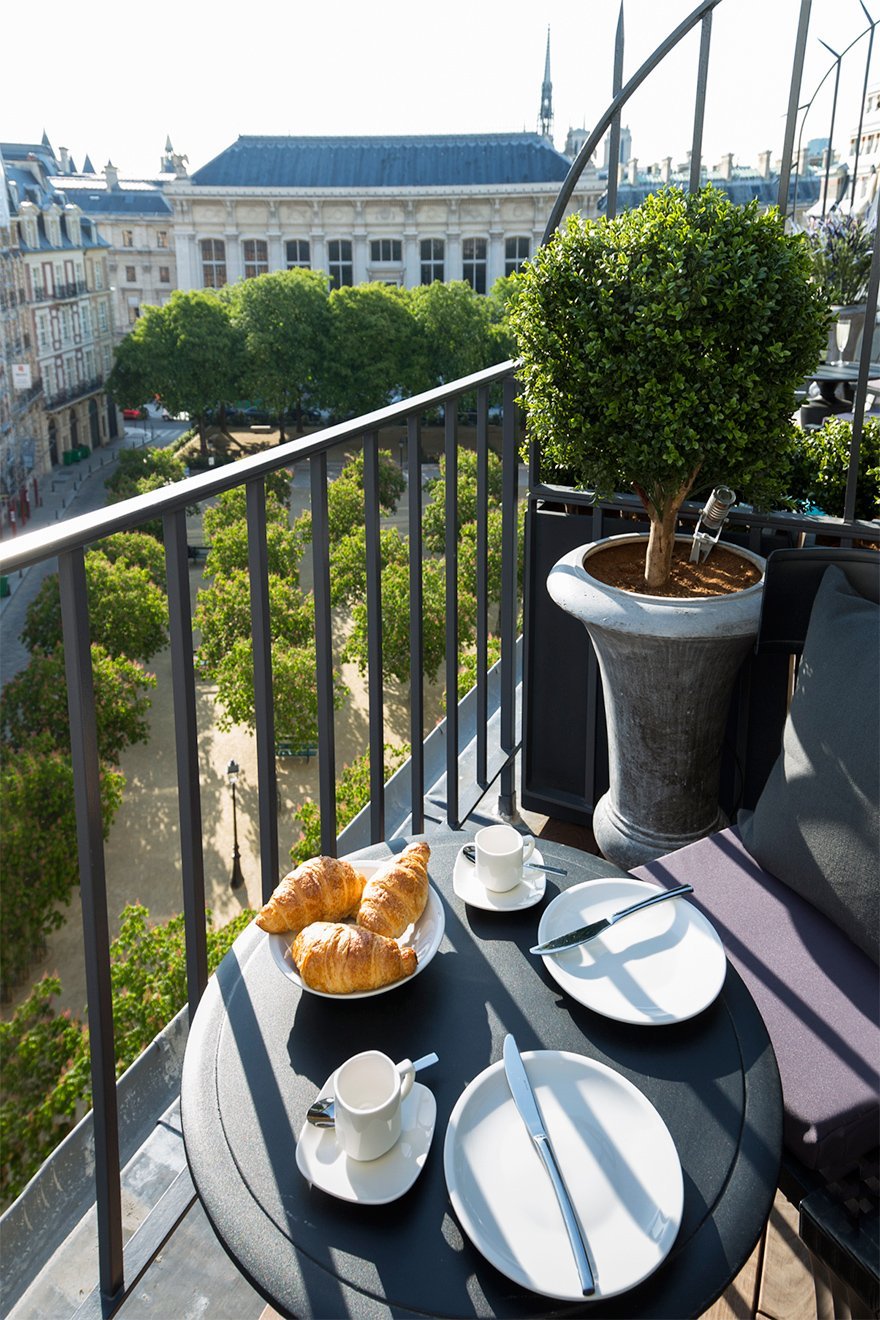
{"points": [[67, 492]]}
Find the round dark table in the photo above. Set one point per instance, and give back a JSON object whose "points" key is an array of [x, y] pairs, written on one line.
{"points": [[259, 1049]]}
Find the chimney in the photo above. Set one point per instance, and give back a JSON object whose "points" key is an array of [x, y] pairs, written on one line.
{"points": [[634, 170], [65, 160], [667, 169], [727, 166], [764, 164], [802, 161], [111, 174]]}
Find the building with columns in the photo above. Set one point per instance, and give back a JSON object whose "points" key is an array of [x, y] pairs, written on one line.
{"points": [[401, 210]]}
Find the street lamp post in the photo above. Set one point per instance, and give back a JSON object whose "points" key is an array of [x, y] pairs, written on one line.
{"points": [[237, 877]]}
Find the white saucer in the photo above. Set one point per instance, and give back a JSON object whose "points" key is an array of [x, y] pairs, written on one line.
{"points": [[663, 965], [322, 1161], [618, 1159], [526, 894]]}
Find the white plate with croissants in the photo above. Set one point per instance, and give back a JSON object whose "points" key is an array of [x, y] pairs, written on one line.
{"points": [[347, 928]]}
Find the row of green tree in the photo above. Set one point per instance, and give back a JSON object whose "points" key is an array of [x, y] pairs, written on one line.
{"points": [[289, 341]]}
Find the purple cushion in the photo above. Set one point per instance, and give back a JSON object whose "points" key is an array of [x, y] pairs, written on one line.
{"points": [[817, 993]]}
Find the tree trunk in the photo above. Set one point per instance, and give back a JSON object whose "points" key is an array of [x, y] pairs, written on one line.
{"points": [[203, 439], [661, 542]]}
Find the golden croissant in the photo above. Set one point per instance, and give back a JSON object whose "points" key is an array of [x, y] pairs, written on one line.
{"points": [[322, 889], [395, 896], [341, 959]]}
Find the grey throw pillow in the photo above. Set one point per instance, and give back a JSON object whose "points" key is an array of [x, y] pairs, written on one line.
{"points": [[816, 826]]}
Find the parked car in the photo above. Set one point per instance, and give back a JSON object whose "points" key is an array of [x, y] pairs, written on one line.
{"points": [[133, 414]]}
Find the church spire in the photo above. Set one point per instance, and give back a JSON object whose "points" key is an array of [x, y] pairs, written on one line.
{"points": [[545, 114]]}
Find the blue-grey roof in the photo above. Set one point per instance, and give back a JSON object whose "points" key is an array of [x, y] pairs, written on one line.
{"points": [[384, 162], [127, 199], [21, 150]]}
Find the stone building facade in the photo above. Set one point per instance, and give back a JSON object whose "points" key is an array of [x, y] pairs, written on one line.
{"points": [[69, 315], [402, 211]]}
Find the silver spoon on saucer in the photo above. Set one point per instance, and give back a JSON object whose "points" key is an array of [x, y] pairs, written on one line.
{"points": [[322, 1111], [470, 853]]}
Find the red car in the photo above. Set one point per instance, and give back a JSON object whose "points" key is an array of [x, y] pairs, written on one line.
{"points": [[132, 413]]}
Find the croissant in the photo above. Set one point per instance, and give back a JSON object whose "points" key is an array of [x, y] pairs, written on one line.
{"points": [[395, 896], [322, 889], [340, 959]]}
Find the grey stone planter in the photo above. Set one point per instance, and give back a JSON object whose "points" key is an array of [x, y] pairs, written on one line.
{"points": [[668, 668]]}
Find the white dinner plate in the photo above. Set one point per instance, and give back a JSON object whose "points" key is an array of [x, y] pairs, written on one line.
{"points": [[423, 935], [526, 894], [617, 1158], [322, 1161], [663, 965]]}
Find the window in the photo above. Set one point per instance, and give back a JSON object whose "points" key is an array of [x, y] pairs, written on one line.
{"points": [[386, 249], [164, 275], [516, 251], [473, 252], [162, 238], [432, 254], [128, 238], [213, 263], [339, 262], [298, 253], [256, 257], [129, 275]]}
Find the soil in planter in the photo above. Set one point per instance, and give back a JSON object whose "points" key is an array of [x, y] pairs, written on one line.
{"points": [[723, 572]]}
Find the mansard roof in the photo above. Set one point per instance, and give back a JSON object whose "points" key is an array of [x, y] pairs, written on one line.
{"points": [[455, 160], [132, 197]]}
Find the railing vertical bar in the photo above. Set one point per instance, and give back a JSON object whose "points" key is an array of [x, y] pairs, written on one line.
{"points": [[374, 637], [794, 96], [700, 104], [509, 496], [482, 581], [849, 501], [450, 436], [828, 149], [323, 653], [96, 926], [614, 135], [416, 623], [264, 706], [865, 85], [189, 803]]}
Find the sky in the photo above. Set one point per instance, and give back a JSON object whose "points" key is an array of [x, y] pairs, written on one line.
{"points": [[121, 82]]}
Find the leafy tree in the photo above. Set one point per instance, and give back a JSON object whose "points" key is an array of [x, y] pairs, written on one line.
{"points": [[38, 845], [33, 704], [467, 670], [284, 317], [139, 471], [372, 349], [138, 550], [44, 1063], [44, 1055], [188, 353], [661, 351], [128, 613], [434, 513], [231, 505], [820, 468], [453, 327], [352, 795]]}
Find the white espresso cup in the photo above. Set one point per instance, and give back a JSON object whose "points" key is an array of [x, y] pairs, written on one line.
{"points": [[369, 1089], [501, 854]]}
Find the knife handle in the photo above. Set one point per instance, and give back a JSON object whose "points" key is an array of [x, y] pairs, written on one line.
{"points": [[572, 1227]]}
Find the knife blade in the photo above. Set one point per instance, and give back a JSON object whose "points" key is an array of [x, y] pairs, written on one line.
{"points": [[585, 933], [527, 1108]]}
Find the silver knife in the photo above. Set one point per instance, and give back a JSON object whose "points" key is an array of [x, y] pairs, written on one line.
{"points": [[585, 933], [527, 1107]]}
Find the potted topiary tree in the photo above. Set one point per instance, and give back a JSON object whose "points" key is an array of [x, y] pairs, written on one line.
{"points": [[660, 354]]}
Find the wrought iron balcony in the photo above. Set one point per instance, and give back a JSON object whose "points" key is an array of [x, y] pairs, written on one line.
{"points": [[479, 740]]}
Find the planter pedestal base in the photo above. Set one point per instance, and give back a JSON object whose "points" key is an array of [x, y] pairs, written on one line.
{"points": [[668, 669]]}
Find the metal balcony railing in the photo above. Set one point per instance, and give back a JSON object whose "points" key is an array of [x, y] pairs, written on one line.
{"points": [[68, 542], [61, 398]]}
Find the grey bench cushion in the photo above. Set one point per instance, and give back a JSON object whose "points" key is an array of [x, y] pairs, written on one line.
{"points": [[817, 992]]}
